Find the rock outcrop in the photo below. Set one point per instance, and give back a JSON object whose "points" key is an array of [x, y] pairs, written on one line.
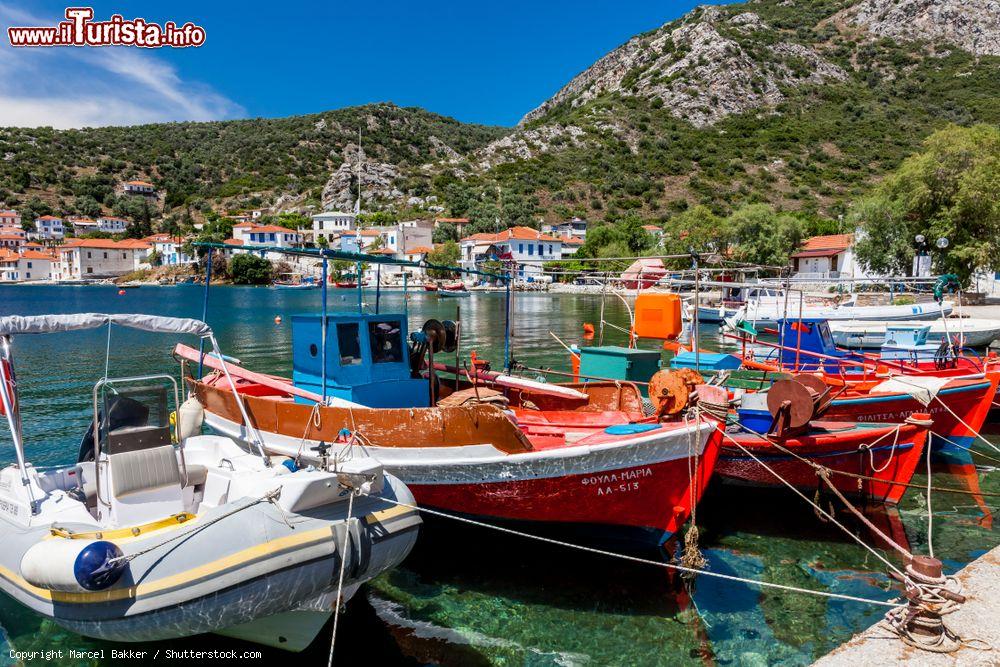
{"points": [[702, 69], [973, 25], [378, 182]]}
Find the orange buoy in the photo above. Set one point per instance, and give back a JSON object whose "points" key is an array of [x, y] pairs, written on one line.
{"points": [[588, 328], [277, 319], [121, 292]]}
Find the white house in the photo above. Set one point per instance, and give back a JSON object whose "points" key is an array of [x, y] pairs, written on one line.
{"points": [[267, 235], [12, 238], [99, 258], [573, 228], [25, 266], [10, 219], [170, 249], [330, 223], [138, 188], [826, 257], [111, 225], [49, 227], [528, 248], [570, 244], [83, 226]]}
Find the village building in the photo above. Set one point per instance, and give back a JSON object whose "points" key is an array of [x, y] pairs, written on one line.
{"points": [[138, 188], [99, 258], [330, 223], [527, 248], [573, 228], [10, 218], [12, 238], [828, 257], [49, 227], [112, 225], [570, 244], [28, 265], [170, 250]]}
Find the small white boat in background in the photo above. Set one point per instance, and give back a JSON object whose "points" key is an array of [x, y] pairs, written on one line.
{"points": [[971, 331], [767, 312], [156, 531]]}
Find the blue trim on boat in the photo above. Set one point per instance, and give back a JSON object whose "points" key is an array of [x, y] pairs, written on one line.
{"points": [[785, 457], [895, 397]]}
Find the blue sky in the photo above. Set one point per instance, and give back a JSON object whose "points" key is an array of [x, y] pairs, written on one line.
{"points": [[476, 61]]}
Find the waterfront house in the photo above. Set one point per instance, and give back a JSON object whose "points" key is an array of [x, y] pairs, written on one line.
{"points": [[138, 188], [825, 257], [170, 249], [570, 244], [49, 227], [28, 265], [99, 258], [527, 248], [331, 223], [271, 235]]}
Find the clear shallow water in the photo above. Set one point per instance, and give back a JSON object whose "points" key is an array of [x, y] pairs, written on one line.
{"points": [[469, 596]]}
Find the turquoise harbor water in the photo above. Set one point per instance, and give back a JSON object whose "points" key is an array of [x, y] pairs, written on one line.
{"points": [[472, 597]]}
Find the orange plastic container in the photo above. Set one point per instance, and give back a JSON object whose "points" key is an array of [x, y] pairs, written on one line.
{"points": [[657, 316]]}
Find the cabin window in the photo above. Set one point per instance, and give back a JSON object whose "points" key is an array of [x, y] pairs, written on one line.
{"points": [[387, 341], [349, 343]]}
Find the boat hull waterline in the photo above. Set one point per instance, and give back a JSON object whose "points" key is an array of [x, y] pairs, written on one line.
{"points": [[642, 484]]}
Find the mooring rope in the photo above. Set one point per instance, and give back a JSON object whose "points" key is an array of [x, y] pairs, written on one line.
{"points": [[814, 505], [638, 559], [269, 497], [340, 578]]}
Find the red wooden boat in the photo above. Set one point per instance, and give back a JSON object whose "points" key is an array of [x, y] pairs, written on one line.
{"points": [[594, 467], [872, 450], [430, 287]]}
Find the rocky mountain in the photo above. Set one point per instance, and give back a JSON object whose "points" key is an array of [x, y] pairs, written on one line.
{"points": [[800, 104], [973, 25]]}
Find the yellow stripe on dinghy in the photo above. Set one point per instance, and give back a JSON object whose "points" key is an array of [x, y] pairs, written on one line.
{"points": [[243, 557], [124, 533]]}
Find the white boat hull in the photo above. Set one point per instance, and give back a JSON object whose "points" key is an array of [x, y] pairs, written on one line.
{"points": [[975, 332]]}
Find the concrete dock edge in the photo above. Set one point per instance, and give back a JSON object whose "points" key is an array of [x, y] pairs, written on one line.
{"points": [[978, 618]]}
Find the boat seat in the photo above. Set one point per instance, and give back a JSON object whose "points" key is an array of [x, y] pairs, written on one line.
{"points": [[144, 470], [196, 474], [86, 475]]}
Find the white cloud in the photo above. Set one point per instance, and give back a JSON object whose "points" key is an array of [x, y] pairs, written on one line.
{"points": [[78, 87]]}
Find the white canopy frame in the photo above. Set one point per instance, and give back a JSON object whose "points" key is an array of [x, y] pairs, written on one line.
{"points": [[41, 324]]}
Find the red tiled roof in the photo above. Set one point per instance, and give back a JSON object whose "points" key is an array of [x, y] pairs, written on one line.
{"points": [[148, 185], [571, 240], [825, 246], [48, 217], [9, 214], [652, 228], [419, 250], [34, 254], [233, 242], [454, 221], [271, 228], [381, 251], [106, 244], [518, 233], [111, 217]]}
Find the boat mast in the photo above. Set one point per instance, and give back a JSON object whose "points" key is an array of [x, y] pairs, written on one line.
{"points": [[12, 411]]}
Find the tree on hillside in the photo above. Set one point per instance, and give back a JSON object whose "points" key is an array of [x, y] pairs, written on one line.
{"points": [[249, 269], [697, 229], [950, 189], [763, 236], [447, 254]]}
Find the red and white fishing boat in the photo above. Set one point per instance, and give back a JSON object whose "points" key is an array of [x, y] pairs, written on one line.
{"points": [[887, 453], [579, 457]]}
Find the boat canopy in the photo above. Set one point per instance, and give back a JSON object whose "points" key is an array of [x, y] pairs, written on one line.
{"points": [[35, 324]]}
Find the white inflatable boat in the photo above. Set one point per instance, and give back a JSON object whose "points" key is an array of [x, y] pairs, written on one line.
{"points": [[157, 532]]}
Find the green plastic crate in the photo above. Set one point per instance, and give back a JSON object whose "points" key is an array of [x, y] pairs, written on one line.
{"points": [[619, 363]]}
